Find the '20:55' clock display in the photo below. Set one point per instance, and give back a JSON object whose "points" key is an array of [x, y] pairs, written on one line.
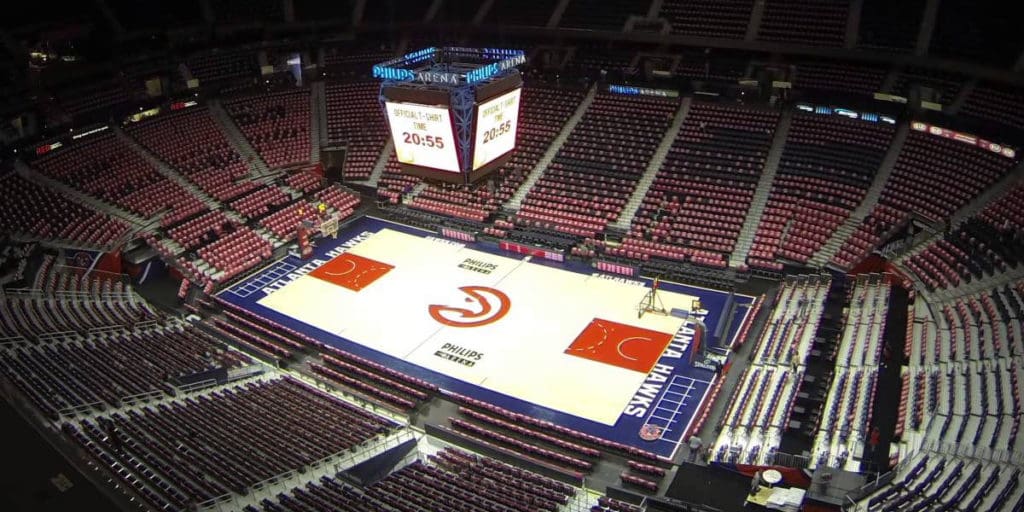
{"points": [[496, 123], [423, 135], [429, 141]]}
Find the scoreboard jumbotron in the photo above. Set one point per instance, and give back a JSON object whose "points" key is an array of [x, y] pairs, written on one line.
{"points": [[453, 112]]}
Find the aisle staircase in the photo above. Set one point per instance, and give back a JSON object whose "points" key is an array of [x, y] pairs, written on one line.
{"points": [[653, 166], [257, 167], [538, 170], [167, 171], [411, 196], [318, 121], [134, 220], [1004, 186], [849, 227], [757, 204], [382, 163]]}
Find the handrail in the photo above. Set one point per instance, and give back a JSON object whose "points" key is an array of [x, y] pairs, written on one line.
{"points": [[58, 335], [212, 502], [140, 397], [13, 341], [34, 293], [78, 409], [196, 386]]}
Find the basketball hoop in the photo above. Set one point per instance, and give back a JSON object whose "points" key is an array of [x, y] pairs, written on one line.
{"points": [[329, 227], [651, 303]]}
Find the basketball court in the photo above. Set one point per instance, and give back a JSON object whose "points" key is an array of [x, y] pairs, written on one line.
{"points": [[527, 334], [532, 332]]}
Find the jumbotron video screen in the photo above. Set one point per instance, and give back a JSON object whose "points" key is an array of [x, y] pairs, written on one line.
{"points": [[496, 125], [423, 136]]}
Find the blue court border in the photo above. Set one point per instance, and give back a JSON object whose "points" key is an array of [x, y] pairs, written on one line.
{"points": [[670, 408]]}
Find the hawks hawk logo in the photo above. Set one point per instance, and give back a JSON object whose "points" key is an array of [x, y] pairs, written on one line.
{"points": [[650, 432], [492, 305]]}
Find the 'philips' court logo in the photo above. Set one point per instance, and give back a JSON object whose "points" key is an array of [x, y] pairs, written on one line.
{"points": [[457, 354], [475, 265], [492, 306]]}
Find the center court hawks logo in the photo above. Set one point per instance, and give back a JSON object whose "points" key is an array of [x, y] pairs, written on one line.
{"points": [[493, 305]]}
